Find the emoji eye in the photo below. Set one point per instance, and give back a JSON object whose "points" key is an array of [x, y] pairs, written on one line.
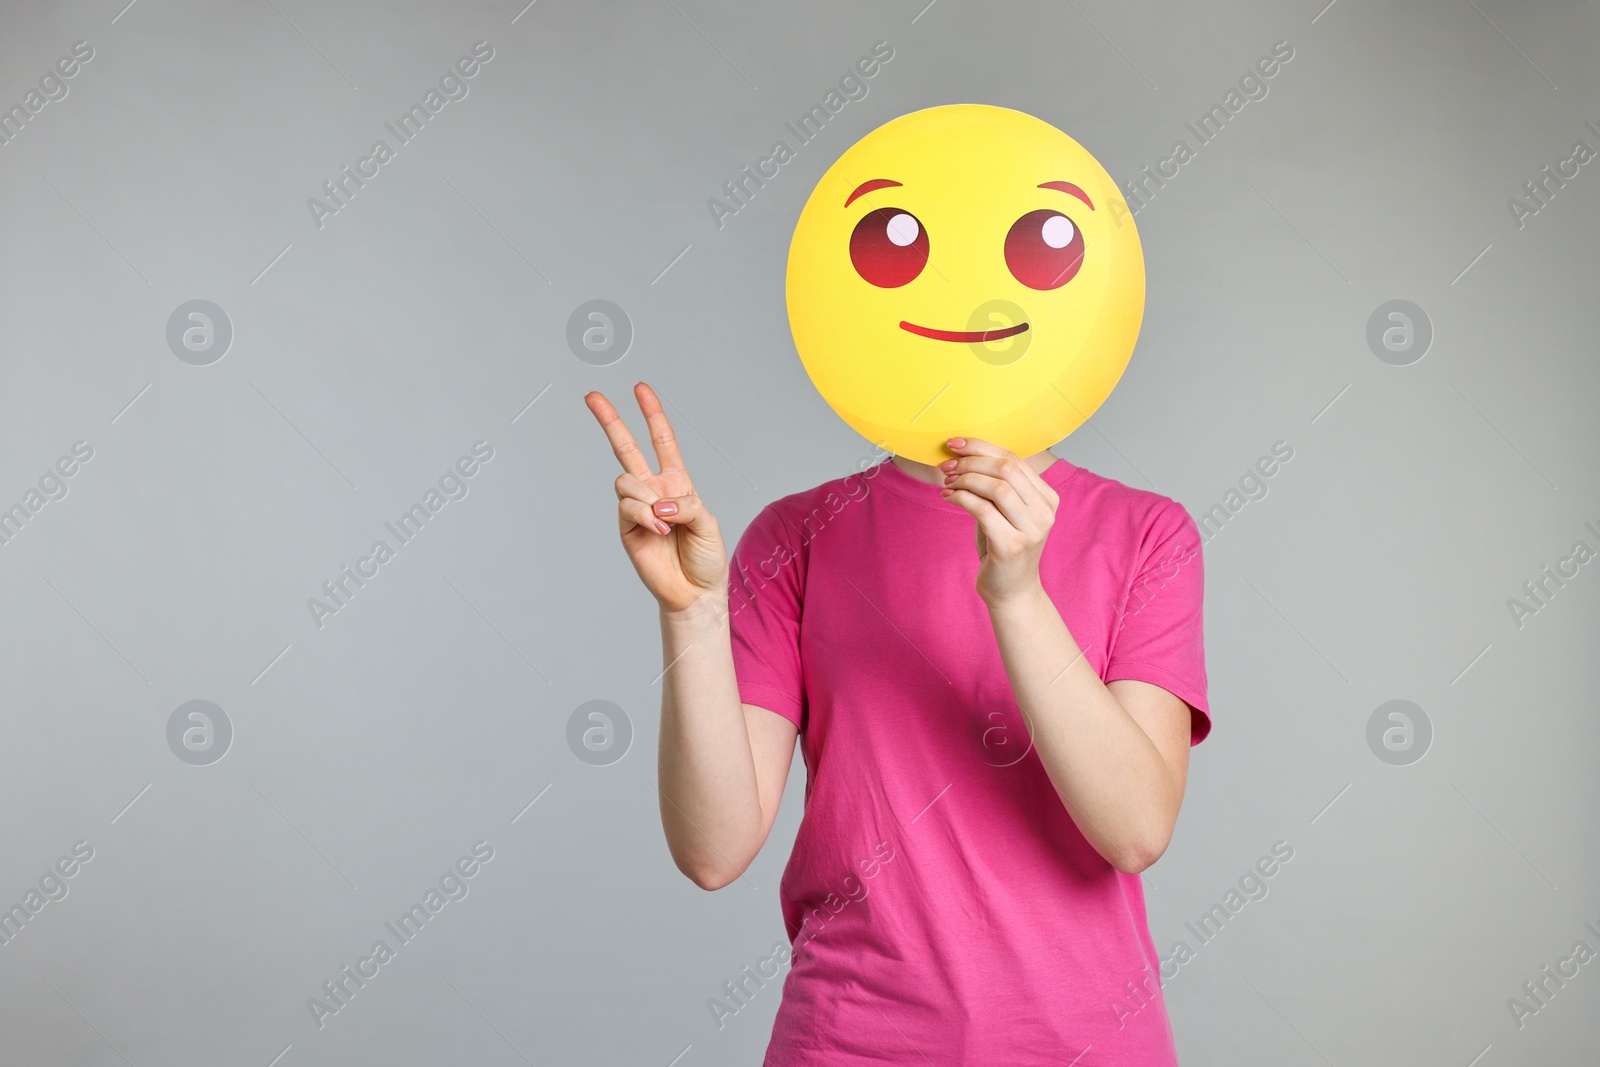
{"points": [[1044, 249], [889, 247]]}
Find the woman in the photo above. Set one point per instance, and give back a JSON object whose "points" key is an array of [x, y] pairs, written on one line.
{"points": [[996, 741]]}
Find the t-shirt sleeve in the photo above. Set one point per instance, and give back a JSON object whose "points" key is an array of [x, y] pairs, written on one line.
{"points": [[765, 583], [1161, 638]]}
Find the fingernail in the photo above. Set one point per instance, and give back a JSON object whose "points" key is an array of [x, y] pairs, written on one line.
{"points": [[946, 492], [662, 528], [948, 465], [957, 442], [664, 507]]}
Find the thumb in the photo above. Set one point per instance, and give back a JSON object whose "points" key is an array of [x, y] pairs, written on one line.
{"points": [[688, 511]]}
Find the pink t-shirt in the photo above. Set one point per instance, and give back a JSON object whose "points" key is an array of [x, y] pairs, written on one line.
{"points": [[942, 906]]}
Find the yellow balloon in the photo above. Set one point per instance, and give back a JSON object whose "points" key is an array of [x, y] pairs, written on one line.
{"points": [[965, 271]]}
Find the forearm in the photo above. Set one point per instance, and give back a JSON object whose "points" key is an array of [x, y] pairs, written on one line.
{"points": [[1107, 771], [710, 805]]}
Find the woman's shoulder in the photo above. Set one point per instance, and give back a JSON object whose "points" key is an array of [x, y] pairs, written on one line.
{"points": [[831, 496], [1116, 501]]}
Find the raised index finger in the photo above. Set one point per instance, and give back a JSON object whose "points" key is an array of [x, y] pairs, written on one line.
{"points": [[622, 442], [661, 436]]}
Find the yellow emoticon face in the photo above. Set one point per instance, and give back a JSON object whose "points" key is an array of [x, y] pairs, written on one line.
{"points": [[965, 271]]}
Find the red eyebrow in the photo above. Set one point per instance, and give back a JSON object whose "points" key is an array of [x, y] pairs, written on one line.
{"points": [[867, 187], [1068, 187]]}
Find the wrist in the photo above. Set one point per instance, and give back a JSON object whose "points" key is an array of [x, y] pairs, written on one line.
{"points": [[710, 608], [1020, 600]]}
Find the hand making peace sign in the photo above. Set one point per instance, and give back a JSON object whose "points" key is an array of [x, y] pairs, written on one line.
{"points": [[674, 542]]}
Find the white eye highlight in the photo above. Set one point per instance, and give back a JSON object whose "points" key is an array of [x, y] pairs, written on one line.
{"points": [[1057, 232], [903, 229]]}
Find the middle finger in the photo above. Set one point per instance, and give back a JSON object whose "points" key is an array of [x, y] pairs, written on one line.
{"points": [[999, 467], [999, 492], [622, 442]]}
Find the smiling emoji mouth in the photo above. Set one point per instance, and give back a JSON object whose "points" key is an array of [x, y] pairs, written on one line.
{"points": [[968, 336]]}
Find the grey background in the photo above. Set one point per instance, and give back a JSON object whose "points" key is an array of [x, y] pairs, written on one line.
{"points": [[426, 315]]}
